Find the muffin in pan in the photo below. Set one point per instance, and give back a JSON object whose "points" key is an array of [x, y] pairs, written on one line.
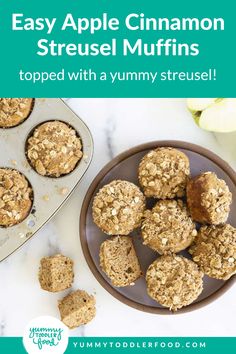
{"points": [[174, 281], [214, 250], [119, 261], [163, 173], [118, 207], [14, 111], [208, 199], [16, 197], [168, 228], [54, 149]]}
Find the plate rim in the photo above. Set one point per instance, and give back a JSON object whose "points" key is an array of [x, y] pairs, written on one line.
{"points": [[178, 144]]}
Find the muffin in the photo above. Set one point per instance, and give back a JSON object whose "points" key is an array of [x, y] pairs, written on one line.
{"points": [[118, 208], [208, 199], [54, 149], [214, 250], [119, 261], [56, 273], [163, 173], [167, 228], [77, 308], [14, 111], [174, 281], [15, 197]]}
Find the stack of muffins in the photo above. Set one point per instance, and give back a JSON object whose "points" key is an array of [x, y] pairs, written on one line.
{"points": [[188, 214]]}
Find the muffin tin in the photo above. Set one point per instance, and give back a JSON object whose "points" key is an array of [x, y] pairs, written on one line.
{"points": [[125, 167], [49, 193]]}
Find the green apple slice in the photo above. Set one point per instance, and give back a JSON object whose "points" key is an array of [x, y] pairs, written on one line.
{"points": [[219, 117], [199, 104]]}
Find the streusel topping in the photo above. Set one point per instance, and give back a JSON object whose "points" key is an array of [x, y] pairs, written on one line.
{"points": [[174, 281], [54, 149], [15, 197], [168, 228], [13, 111], [163, 173], [118, 207], [214, 250]]}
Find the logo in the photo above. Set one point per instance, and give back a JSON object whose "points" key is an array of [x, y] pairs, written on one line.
{"points": [[45, 334]]}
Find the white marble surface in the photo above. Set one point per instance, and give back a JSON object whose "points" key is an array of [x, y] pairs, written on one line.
{"points": [[116, 124]]}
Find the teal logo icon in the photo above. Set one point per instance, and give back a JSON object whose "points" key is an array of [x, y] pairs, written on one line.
{"points": [[45, 334]]}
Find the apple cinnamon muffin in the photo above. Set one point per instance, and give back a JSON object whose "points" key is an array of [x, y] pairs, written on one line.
{"points": [[56, 273], [118, 207], [14, 111], [168, 228], [208, 199], [16, 197], [163, 173], [77, 308], [119, 261], [54, 149], [174, 281], [214, 250]]}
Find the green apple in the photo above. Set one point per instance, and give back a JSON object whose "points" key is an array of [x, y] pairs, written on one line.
{"points": [[214, 114]]}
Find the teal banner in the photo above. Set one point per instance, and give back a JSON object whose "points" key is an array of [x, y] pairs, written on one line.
{"points": [[105, 48], [190, 345]]}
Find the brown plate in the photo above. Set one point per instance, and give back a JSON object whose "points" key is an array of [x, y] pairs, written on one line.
{"points": [[125, 166]]}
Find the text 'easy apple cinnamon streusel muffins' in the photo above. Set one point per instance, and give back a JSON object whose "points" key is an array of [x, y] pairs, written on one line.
{"points": [[174, 281], [14, 111], [163, 173], [16, 197], [118, 207], [214, 250], [168, 228], [54, 149], [208, 199]]}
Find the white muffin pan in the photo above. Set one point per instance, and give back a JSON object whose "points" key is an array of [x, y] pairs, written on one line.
{"points": [[49, 193]]}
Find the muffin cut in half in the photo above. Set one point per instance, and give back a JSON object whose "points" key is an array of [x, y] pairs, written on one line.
{"points": [[208, 199], [77, 308], [119, 261], [56, 273]]}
